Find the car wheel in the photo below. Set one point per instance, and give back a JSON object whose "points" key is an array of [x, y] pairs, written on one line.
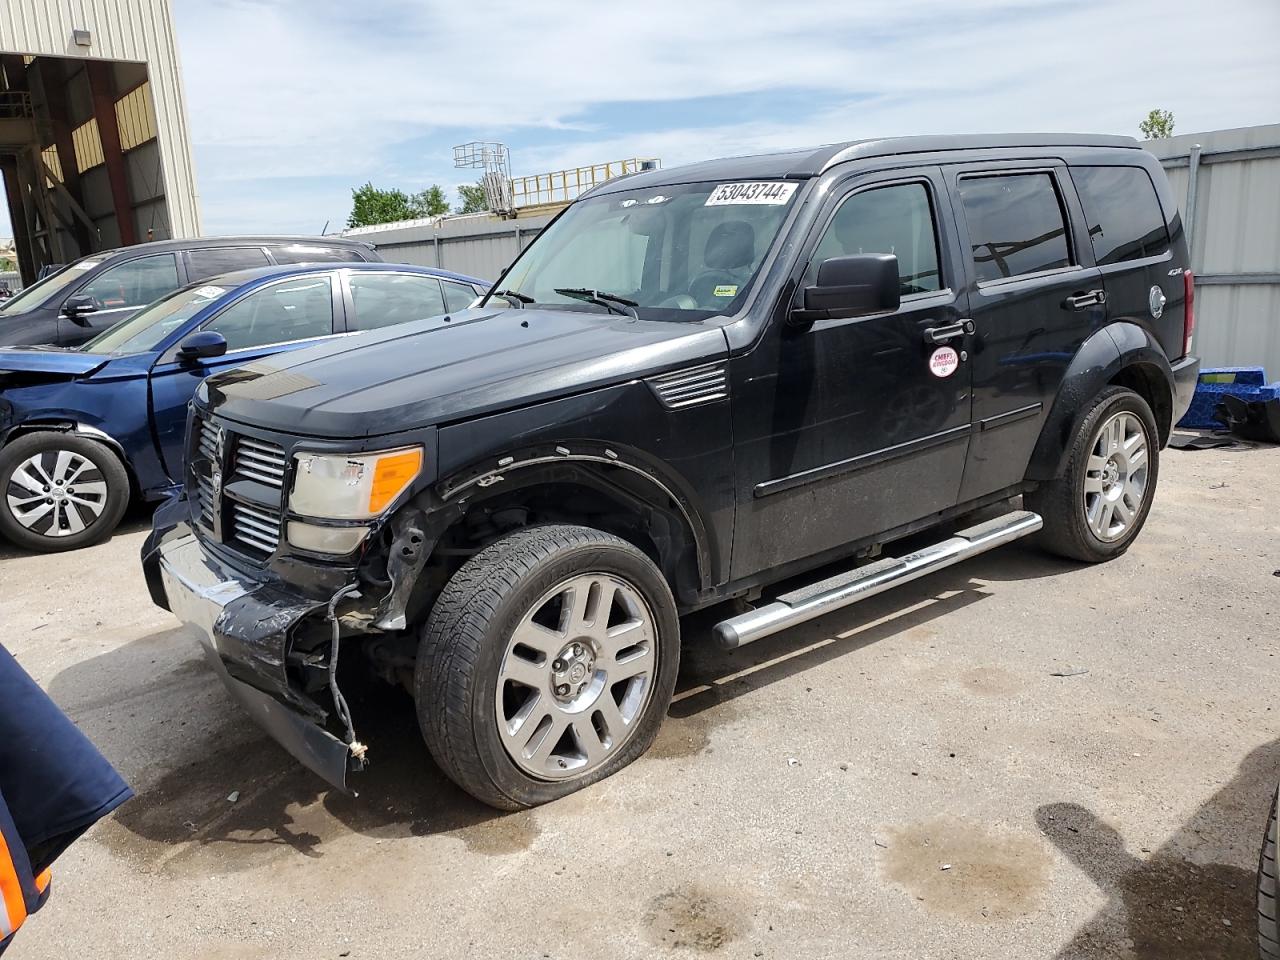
{"points": [[60, 491], [1097, 506], [547, 664], [1268, 931]]}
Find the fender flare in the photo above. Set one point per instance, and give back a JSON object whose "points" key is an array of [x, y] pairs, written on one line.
{"points": [[590, 463], [1105, 355]]}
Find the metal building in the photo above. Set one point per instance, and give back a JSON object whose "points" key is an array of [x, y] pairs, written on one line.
{"points": [[1228, 188], [94, 145]]}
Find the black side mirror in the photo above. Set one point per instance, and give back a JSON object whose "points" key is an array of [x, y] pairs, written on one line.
{"points": [[78, 307], [853, 286], [202, 346]]}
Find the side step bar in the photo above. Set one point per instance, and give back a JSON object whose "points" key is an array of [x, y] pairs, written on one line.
{"points": [[867, 581]]}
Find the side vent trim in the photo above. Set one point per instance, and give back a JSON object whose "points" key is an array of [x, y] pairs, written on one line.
{"points": [[706, 383]]}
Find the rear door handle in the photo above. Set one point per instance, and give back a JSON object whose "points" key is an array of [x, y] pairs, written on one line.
{"points": [[948, 332], [1082, 301]]}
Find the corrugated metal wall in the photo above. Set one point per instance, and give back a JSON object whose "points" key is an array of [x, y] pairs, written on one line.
{"points": [[479, 246], [1235, 240], [139, 30]]}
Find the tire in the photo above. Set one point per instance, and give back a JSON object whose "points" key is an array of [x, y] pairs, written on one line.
{"points": [[1097, 506], [483, 694], [1268, 931], [33, 465]]}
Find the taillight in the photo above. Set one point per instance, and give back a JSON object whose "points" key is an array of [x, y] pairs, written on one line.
{"points": [[1189, 317]]}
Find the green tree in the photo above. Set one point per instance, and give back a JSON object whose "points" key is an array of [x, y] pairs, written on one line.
{"points": [[473, 198], [1158, 125], [371, 205]]}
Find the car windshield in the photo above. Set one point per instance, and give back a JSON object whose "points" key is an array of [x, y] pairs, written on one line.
{"points": [[41, 292], [675, 252], [145, 330]]}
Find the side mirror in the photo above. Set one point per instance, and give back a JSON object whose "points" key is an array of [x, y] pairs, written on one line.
{"points": [[202, 346], [78, 307], [853, 286]]}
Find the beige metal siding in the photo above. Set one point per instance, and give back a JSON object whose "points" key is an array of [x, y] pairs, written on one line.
{"points": [[137, 30]]}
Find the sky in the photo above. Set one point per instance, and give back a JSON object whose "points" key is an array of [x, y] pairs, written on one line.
{"points": [[292, 103]]}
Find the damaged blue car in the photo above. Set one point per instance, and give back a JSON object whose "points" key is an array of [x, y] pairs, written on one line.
{"points": [[84, 431]]}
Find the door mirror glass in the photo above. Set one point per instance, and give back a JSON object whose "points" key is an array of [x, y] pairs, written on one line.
{"points": [[78, 306], [853, 286], [202, 346]]}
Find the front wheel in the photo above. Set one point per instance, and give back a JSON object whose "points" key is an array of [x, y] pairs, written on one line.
{"points": [[59, 491], [1095, 508], [547, 664]]}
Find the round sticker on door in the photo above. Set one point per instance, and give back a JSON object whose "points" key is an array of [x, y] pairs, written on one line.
{"points": [[943, 362]]}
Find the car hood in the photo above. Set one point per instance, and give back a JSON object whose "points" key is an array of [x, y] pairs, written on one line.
{"points": [[55, 360], [431, 371]]}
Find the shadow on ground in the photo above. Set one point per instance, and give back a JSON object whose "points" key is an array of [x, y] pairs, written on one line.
{"points": [[136, 519], [1178, 902]]}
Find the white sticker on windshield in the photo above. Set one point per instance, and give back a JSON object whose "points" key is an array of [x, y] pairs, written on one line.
{"points": [[769, 192], [209, 292], [87, 264]]}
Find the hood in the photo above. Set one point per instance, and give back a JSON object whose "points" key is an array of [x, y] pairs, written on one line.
{"points": [[431, 371], [55, 360]]}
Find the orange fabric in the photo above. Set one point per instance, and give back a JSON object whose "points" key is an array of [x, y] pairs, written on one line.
{"points": [[42, 881], [15, 905]]}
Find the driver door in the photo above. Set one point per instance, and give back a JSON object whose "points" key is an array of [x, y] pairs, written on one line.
{"points": [[284, 315], [848, 428]]}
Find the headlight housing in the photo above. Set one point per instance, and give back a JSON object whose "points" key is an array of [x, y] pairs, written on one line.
{"points": [[352, 486]]}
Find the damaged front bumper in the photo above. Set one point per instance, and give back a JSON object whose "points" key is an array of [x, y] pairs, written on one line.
{"points": [[248, 629]]}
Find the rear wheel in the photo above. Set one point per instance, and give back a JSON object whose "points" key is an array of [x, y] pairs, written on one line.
{"points": [[1095, 508], [59, 491], [547, 664], [1268, 931]]}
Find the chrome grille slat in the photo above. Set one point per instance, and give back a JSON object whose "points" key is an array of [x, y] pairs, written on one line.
{"points": [[259, 460], [685, 388], [255, 527]]}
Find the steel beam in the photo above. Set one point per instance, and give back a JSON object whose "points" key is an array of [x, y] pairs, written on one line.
{"points": [[104, 109]]}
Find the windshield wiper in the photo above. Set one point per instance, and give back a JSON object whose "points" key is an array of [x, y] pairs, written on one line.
{"points": [[610, 301], [517, 300]]}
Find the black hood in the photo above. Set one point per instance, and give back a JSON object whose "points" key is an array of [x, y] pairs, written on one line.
{"points": [[433, 371]]}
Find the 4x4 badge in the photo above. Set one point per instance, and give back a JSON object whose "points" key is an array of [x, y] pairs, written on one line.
{"points": [[1155, 302]]}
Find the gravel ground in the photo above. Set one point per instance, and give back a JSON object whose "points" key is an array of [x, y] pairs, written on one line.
{"points": [[908, 777]]}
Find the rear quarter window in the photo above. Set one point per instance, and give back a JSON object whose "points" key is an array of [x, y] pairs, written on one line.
{"points": [[1123, 213]]}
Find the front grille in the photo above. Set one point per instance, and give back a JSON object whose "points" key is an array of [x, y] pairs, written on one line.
{"points": [[259, 460], [205, 500], [255, 527], [209, 445]]}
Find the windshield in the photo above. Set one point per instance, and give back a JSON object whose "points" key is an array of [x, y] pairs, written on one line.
{"points": [[676, 252], [46, 289], [146, 329]]}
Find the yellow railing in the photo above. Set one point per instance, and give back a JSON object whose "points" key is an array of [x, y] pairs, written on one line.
{"points": [[562, 186]]}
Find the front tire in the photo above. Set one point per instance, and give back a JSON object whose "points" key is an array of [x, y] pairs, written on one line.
{"points": [[547, 664], [1268, 929], [1096, 507], [59, 491]]}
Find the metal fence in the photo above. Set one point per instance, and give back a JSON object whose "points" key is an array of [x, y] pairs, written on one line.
{"points": [[1228, 188], [479, 246]]}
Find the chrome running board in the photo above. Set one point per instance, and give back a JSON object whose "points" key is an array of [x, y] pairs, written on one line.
{"points": [[867, 581]]}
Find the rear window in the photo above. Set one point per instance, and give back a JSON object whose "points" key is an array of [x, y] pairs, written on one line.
{"points": [[1123, 212], [215, 260], [1016, 224], [315, 253]]}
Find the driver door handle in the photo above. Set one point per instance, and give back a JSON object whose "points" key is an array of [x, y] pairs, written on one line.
{"points": [[1082, 301], [949, 332]]}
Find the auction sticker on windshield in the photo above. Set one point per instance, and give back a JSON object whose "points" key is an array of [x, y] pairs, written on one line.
{"points": [[209, 293], [768, 192]]}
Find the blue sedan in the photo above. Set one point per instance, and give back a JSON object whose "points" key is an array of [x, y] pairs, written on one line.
{"points": [[83, 430]]}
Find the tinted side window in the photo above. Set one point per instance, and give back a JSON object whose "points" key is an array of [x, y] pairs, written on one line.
{"points": [[1125, 220], [1016, 224], [897, 220], [457, 296], [382, 299], [133, 283], [215, 260], [291, 310], [312, 253]]}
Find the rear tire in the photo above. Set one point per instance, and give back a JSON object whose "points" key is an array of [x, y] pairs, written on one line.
{"points": [[1097, 506], [60, 491], [547, 664], [1268, 930]]}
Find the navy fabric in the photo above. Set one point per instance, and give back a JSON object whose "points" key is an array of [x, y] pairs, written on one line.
{"points": [[53, 782]]}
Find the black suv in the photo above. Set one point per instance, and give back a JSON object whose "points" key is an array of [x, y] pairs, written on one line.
{"points": [[695, 384], [81, 300]]}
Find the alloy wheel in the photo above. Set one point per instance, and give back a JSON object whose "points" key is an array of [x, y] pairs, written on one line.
{"points": [[56, 493], [1115, 480]]}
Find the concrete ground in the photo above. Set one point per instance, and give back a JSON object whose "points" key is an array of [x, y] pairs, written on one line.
{"points": [[905, 778]]}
